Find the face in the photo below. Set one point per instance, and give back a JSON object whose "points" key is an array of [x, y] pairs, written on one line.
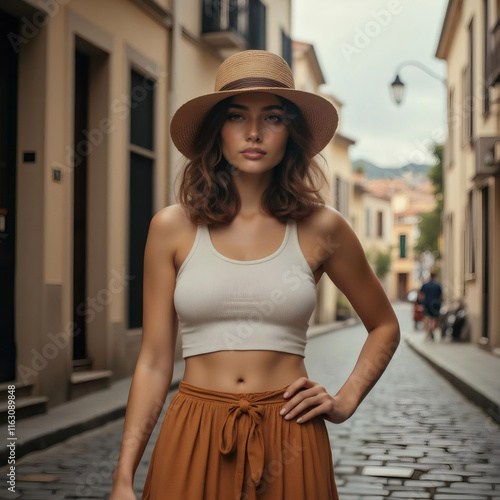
{"points": [[254, 134]]}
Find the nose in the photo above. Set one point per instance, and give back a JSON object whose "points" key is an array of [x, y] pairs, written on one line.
{"points": [[254, 132]]}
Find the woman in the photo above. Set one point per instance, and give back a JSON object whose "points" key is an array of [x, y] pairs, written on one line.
{"points": [[236, 264]]}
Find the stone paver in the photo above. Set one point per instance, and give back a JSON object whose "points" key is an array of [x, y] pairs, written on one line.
{"points": [[414, 437]]}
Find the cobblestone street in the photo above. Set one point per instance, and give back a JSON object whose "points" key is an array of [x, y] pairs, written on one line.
{"points": [[414, 437]]}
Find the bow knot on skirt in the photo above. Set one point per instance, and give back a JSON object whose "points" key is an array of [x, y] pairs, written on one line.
{"points": [[244, 419]]}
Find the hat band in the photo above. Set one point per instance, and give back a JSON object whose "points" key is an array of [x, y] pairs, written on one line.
{"points": [[250, 82]]}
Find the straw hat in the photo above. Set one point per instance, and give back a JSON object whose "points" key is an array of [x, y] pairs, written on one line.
{"points": [[253, 71]]}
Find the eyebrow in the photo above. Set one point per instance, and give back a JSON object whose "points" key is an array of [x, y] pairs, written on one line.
{"points": [[265, 108]]}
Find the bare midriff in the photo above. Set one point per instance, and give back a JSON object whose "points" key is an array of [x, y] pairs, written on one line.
{"points": [[244, 371]]}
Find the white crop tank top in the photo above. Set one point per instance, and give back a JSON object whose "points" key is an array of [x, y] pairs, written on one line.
{"points": [[227, 304]]}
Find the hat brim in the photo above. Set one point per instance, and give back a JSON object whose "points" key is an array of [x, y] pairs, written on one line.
{"points": [[319, 113]]}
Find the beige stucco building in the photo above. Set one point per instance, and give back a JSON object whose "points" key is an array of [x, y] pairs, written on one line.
{"points": [[408, 199], [335, 162], [90, 87], [373, 221], [87, 165], [469, 43]]}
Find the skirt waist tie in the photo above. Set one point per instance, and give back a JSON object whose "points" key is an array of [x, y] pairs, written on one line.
{"points": [[251, 440]]}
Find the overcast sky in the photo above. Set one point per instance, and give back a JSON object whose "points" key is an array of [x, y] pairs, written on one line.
{"points": [[359, 44]]}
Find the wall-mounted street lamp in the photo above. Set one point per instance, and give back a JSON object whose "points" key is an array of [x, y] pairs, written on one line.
{"points": [[397, 89], [398, 86]]}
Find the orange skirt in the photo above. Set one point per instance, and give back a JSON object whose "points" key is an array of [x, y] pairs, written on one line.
{"points": [[217, 445]]}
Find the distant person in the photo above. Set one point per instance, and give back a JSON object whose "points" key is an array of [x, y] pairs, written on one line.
{"points": [[431, 296]]}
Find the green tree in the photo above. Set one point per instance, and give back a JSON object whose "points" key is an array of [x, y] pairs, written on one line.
{"points": [[435, 173], [381, 261], [382, 264], [430, 223]]}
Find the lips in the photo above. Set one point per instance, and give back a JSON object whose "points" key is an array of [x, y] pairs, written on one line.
{"points": [[254, 150], [253, 153]]}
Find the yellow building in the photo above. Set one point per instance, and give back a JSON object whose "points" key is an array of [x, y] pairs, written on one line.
{"points": [[338, 193], [470, 44], [408, 200], [88, 89], [403, 256]]}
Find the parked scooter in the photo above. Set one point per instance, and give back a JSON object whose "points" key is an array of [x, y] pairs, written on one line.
{"points": [[453, 320]]}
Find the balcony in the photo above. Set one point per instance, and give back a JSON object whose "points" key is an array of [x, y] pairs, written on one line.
{"points": [[234, 24], [487, 156], [494, 69]]}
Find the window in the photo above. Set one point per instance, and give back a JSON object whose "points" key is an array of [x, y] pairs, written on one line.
{"points": [[337, 193], [367, 222], [450, 244], [494, 47], [467, 106], [238, 16], [257, 25], [286, 47], [449, 157], [380, 224], [241, 20], [402, 246], [141, 160], [341, 195], [470, 254], [345, 197], [468, 92], [486, 58], [471, 78]]}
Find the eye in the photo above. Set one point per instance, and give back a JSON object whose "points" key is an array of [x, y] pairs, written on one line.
{"points": [[275, 118], [234, 117]]}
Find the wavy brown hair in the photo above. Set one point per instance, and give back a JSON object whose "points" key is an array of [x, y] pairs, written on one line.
{"points": [[207, 192]]}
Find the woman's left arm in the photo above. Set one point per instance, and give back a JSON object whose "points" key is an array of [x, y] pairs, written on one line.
{"points": [[348, 268]]}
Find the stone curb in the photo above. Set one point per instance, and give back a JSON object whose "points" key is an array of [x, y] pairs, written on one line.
{"points": [[472, 393], [71, 418]]}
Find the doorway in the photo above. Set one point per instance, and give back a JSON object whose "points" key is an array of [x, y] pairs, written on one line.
{"points": [[82, 68], [8, 147], [402, 286], [485, 262]]}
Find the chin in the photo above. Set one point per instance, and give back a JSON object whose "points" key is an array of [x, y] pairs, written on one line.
{"points": [[256, 170]]}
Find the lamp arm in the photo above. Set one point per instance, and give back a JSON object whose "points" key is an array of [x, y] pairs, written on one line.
{"points": [[423, 68]]}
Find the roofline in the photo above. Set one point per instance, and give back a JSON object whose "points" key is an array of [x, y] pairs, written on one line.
{"points": [[361, 189], [452, 11], [310, 52], [344, 139]]}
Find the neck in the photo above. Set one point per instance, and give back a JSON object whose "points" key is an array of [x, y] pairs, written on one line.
{"points": [[251, 188]]}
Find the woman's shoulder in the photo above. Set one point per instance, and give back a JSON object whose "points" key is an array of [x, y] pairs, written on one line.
{"points": [[171, 217], [325, 227], [171, 223], [325, 219]]}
